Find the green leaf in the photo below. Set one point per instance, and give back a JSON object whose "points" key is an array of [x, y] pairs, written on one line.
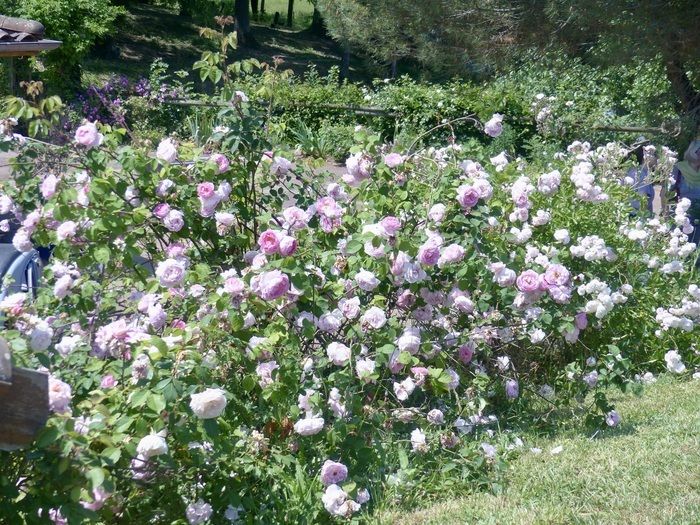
{"points": [[102, 254], [156, 402], [112, 454], [96, 476], [403, 459]]}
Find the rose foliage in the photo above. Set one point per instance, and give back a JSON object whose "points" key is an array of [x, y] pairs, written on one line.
{"points": [[230, 336]]}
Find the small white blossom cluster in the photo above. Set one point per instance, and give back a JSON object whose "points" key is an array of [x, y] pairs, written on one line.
{"points": [[592, 248], [685, 316], [586, 189], [548, 183], [603, 299]]}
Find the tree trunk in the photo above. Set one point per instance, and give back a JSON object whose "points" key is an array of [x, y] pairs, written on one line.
{"points": [[317, 27], [242, 20], [345, 64], [394, 68], [262, 7], [290, 12], [688, 96], [254, 8]]}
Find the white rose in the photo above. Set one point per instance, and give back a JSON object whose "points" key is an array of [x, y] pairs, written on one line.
{"points": [[166, 151], [309, 426], [152, 445], [208, 404], [338, 353], [374, 318], [366, 280]]}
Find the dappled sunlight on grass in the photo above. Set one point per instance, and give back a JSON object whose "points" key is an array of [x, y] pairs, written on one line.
{"points": [[644, 471]]}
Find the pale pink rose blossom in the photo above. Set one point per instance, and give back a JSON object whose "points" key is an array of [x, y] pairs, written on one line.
{"points": [[269, 242], [528, 281], [48, 186], [393, 160], [333, 472], [66, 230], [222, 163], [166, 151], [174, 220], [88, 136], [270, 285]]}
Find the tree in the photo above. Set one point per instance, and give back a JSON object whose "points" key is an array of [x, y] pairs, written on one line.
{"points": [[242, 15], [290, 12], [447, 35], [317, 25]]}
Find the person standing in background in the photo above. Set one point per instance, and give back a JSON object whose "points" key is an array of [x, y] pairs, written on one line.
{"points": [[686, 184], [640, 179]]}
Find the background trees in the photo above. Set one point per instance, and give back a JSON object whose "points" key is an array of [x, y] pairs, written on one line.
{"points": [[463, 36]]}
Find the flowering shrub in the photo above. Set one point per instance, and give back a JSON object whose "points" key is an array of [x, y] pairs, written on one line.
{"points": [[228, 339], [105, 102]]}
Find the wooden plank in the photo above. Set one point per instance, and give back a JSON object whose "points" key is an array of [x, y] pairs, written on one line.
{"points": [[21, 49], [24, 408]]}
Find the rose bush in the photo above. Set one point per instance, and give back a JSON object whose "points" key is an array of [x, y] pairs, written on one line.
{"points": [[230, 339]]}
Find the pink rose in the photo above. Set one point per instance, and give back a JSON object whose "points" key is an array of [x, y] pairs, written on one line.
{"points": [[393, 159], [108, 381], [581, 320], [295, 218], [333, 473], [557, 275], [171, 273], [174, 220], [494, 127], [521, 200], [560, 294], [234, 286], [270, 285], [406, 299], [206, 190], [484, 188], [391, 225], [161, 210], [429, 254], [437, 212], [467, 196], [48, 186], [269, 242], [528, 281], [466, 352], [88, 136], [451, 254], [166, 151], [221, 162], [175, 250], [66, 230], [288, 245]]}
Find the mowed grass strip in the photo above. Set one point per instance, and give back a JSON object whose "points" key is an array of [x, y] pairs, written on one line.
{"points": [[646, 471]]}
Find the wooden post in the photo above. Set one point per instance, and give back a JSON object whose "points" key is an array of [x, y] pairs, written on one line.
{"points": [[24, 402], [11, 75]]}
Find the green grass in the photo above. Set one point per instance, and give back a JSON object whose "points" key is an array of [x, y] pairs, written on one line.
{"points": [[646, 471], [303, 12]]}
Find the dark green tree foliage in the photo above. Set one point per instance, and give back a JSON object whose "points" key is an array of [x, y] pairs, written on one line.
{"points": [[462, 36], [77, 23]]}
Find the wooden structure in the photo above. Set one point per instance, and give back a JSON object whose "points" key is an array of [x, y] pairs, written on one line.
{"points": [[24, 402], [21, 38]]}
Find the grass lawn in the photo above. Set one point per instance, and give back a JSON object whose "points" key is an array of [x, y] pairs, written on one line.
{"points": [[646, 471]]}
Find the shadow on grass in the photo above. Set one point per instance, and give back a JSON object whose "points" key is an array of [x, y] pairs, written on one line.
{"points": [[149, 32]]}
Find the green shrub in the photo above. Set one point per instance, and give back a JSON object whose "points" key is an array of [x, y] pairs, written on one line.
{"points": [[78, 24]]}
